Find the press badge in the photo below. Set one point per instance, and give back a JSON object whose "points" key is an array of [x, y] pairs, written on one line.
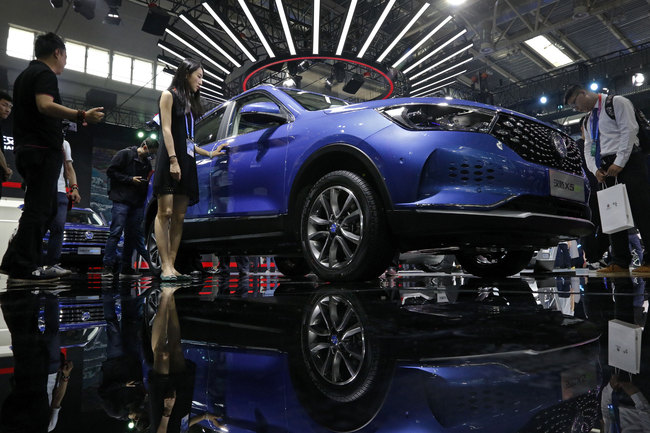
{"points": [[593, 148], [190, 147]]}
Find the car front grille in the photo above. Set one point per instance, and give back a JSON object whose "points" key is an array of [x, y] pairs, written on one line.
{"points": [[534, 142], [82, 236], [81, 313]]}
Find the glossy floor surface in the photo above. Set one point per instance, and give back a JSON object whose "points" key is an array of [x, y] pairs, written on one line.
{"points": [[411, 353]]}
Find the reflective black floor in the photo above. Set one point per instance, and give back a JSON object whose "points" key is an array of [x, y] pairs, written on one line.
{"points": [[414, 353]]}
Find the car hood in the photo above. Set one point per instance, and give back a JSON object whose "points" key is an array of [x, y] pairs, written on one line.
{"points": [[401, 101]]}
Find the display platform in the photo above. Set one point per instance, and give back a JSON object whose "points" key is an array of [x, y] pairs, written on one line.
{"points": [[414, 352]]}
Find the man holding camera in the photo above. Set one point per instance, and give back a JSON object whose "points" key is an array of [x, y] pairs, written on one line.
{"points": [[129, 173]]}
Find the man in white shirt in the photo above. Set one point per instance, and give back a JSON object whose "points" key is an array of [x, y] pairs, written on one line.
{"points": [[612, 153], [57, 225]]}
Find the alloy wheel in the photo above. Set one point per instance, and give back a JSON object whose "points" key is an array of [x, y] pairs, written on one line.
{"points": [[335, 227], [335, 340]]}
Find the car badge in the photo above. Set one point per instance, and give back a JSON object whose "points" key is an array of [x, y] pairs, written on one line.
{"points": [[499, 145], [559, 143], [89, 235], [85, 316]]}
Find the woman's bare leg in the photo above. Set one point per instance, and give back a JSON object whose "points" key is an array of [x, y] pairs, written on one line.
{"points": [[177, 361], [159, 337], [176, 227], [162, 227]]}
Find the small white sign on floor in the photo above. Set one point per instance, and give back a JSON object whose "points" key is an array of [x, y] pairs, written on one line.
{"points": [[624, 346]]}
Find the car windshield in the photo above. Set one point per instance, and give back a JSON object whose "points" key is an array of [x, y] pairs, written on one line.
{"points": [[314, 101], [83, 217]]}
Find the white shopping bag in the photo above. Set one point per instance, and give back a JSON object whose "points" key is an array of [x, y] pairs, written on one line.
{"points": [[614, 206], [624, 346]]}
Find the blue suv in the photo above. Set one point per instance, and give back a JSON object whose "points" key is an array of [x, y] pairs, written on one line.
{"points": [[337, 189]]}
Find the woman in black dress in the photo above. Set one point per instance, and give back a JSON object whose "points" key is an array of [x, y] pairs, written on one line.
{"points": [[175, 183]]}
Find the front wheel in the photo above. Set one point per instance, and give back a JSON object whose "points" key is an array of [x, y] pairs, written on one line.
{"points": [[494, 264], [344, 233]]}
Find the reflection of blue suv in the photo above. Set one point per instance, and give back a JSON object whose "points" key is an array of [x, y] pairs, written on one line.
{"points": [[336, 188]]}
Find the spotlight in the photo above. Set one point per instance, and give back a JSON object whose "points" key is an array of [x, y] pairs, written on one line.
{"points": [[113, 17], [543, 99], [131, 425], [455, 2], [638, 79], [594, 86], [153, 136], [140, 134], [85, 7]]}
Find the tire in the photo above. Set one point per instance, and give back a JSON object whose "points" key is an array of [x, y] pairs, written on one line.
{"points": [[341, 372], [499, 264], [292, 266], [343, 231]]}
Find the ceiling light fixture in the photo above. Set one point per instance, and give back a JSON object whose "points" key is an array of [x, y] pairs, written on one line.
{"points": [[285, 27], [113, 17], [466, 47], [196, 50], [210, 92], [375, 29], [430, 91], [161, 59], [442, 72], [217, 90], [638, 79], [428, 56], [549, 52], [441, 80], [402, 33], [422, 41], [218, 86], [212, 74], [169, 48], [229, 32], [346, 27], [210, 41], [257, 29], [316, 26]]}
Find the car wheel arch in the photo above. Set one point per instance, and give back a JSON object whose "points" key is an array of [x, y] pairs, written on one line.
{"points": [[327, 159]]}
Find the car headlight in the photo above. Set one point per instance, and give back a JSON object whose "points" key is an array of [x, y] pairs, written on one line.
{"points": [[441, 116]]}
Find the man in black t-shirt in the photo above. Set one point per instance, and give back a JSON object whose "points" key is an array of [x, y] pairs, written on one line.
{"points": [[38, 141], [6, 104]]}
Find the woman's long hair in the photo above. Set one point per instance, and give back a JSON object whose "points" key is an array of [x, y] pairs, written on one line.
{"points": [[179, 82]]}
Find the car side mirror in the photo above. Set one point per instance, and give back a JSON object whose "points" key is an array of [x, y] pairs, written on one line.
{"points": [[262, 113]]}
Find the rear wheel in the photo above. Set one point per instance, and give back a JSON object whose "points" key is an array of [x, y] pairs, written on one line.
{"points": [[494, 264], [344, 232], [292, 266]]}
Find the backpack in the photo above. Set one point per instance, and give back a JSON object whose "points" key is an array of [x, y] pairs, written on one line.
{"points": [[644, 124]]}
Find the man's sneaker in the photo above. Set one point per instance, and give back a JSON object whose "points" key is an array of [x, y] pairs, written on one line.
{"points": [[130, 273], [613, 271], [36, 276], [56, 271], [641, 271]]}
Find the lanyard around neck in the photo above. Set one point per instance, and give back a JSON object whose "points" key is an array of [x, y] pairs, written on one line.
{"points": [[189, 130], [595, 114]]}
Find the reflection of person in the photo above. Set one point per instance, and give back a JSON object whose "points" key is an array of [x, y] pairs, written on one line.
{"points": [[175, 182], [624, 407], [243, 265], [171, 380], [128, 172], [6, 104], [613, 154], [38, 142], [26, 408], [57, 384], [56, 226]]}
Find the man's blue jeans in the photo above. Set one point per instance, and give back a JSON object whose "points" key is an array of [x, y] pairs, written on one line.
{"points": [[55, 243], [128, 219]]}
